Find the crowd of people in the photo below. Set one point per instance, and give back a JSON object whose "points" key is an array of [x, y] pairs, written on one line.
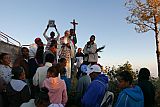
{"points": [[42, 77]]}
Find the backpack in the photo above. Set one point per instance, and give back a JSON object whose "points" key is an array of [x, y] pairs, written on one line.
{"points": [[107, 99]]}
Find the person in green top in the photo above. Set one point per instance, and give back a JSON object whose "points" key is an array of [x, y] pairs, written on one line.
{"points": [[83, 82]]}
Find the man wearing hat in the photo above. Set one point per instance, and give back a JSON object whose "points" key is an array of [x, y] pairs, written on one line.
{"points": [[36, 51], [83, 83], [84, 80], [33, 47], [96, 90]]}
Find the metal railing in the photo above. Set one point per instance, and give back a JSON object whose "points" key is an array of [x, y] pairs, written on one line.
{"points": [[3, 38], [9, 39]]}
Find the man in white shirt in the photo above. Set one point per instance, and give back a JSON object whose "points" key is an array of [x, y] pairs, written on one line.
{"points": [[41, 72]]}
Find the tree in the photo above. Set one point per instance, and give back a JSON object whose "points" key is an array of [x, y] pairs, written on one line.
{"points": [[113, 71], [146, 16], [126, 67]]}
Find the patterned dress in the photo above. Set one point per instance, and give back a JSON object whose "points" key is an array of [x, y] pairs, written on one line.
{"points": [[65, 52]]}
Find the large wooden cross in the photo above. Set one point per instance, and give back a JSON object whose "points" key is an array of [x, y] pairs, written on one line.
{"points": [[74, 23]]}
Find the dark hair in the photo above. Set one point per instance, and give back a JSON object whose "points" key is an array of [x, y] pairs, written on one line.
{"points": [[24, 48], [58, 68], [53, 70], [16, 71], [63, 45], [71, 31], [2, 56], [42, 96], [93, 36], [52, 34], [49, 58], [62, 60], [53, 43], [126, 76], [144, 74], [63, 71], [37, 40]]}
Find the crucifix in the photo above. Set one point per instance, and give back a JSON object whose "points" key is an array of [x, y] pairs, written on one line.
{"points": [[74, 39], [74, 23]]}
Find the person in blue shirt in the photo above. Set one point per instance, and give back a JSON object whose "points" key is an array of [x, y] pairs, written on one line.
{"points": [[96, 90], [130, 96]]}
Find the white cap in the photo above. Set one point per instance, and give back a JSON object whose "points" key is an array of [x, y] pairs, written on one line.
{"points": [[84, 68], [95, 68]]}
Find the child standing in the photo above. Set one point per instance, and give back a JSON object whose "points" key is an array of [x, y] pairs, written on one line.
{"points": [[56, 86], [17, 90]]}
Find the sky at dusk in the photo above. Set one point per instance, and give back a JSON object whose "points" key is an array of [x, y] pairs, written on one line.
{"points": [[25, 20]]}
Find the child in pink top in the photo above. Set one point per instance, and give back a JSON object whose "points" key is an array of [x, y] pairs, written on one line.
{"points": [[56, 86]]}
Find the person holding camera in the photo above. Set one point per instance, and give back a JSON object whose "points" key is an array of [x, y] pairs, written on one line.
{"points": [[90, 51]]}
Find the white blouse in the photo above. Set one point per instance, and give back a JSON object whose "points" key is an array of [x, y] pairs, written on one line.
{"points": [[5, 73]]}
